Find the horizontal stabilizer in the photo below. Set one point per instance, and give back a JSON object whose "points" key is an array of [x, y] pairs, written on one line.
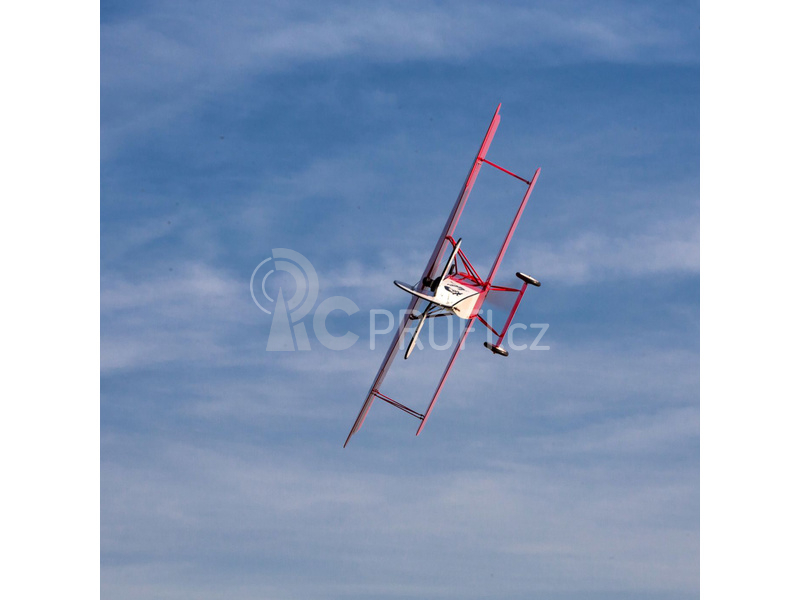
{"points": [[414, 292]]}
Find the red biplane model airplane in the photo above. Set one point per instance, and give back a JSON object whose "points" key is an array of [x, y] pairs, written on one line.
{"points": [[457, 289]]}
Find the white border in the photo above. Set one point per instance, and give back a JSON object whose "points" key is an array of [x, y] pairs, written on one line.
{"points": [[749, 301], [49, 445]]}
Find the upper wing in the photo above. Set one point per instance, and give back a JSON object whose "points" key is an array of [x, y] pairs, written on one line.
{"points": [[433, 264], [384, 369], [449, 366]]}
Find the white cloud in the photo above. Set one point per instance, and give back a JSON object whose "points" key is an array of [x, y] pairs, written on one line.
{"points": [[273, 36], [180, 315], [564, 526], [668, 248], [156, 65], [586, 258]]}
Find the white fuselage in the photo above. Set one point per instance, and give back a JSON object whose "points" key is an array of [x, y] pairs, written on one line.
{"points": [[458, 297]]}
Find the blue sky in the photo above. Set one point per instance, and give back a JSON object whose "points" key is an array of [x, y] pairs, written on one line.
{"points": [[344, 132]]}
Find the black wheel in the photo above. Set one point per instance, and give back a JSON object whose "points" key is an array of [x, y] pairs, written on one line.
{"points": [[496, 349], [528, 279]]}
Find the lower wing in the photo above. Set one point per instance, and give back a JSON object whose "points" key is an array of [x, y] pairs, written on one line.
{"points": [[384, 368]]}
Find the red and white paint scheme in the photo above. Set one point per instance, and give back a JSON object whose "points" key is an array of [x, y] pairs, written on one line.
{"points": [[454, 290]]}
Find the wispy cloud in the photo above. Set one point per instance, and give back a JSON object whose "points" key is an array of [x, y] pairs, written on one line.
{"points": [[278, 35], [671, 248], [528, 527], [186, 314], [157, 65], [344, 132]]}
